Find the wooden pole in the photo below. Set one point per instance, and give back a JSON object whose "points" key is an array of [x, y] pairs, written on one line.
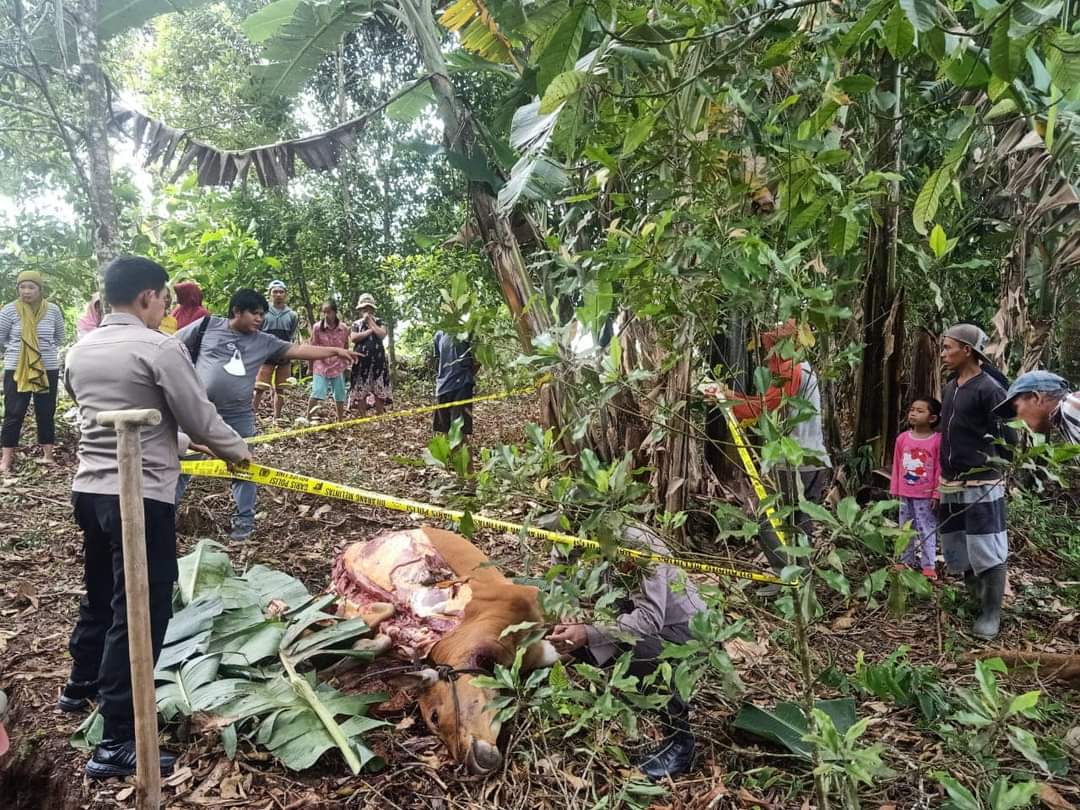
{"points": [[140, 652]]}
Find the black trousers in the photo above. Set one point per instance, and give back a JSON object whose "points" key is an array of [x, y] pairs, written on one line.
{"points": [[17, 402], [444, 418], [99, 643]]}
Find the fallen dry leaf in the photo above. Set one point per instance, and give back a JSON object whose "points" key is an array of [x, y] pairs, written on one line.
{"points": [[576, 782], [748, 799], [845, 622], [178, 777], [1072, 740], [212, 780], [750, 652], [276, 608], [232, 786], [26, 593], [711, 799], [1054, 800], [125, 794]]}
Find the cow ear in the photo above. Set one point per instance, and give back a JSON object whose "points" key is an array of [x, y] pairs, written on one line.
{"points": [[486, 656], [413, 683]]}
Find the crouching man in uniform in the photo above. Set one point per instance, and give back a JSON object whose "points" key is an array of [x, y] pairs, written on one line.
{"points": [[125, 363], [653, 613]]}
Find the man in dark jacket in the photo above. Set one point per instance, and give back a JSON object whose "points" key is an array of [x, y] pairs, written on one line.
{"points": [[973, 531]]}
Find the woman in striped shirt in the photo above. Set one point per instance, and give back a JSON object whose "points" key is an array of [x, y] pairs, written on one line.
{"points": [[31, 333]]}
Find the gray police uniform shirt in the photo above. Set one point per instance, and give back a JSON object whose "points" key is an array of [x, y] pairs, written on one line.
{"points": [[229, 362]]}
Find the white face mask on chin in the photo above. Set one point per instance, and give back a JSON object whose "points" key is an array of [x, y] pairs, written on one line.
{"points": [[235, 366]]}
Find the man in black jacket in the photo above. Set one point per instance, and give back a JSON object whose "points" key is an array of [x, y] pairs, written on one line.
{"points": [[973, 531]]}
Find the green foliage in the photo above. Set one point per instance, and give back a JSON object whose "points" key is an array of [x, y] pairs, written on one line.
{"points": [[1049, 524], [786, 724], [293, 51], [202, 239], [841, 760], [233, 652], [1002, 795], [989, 716], [898, 680], [450, 452], [120, 15]]}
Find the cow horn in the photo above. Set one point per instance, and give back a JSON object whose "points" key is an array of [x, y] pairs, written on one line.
{"points": [[427, 676]]}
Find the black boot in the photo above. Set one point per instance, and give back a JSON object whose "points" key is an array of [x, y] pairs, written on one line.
{"points": [[115, 757], [675, 756], [76, 696], [974, 587], [992, 594]]}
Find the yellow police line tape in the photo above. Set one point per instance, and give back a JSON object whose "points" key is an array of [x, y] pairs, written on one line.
{"points": [[363, 420], [751, 471], [268, 476]]}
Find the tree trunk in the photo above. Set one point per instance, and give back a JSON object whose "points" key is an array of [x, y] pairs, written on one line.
{"points": [[301, 281], [531, 316], [925, 367], [1069, 351], [727, 350], [96, 95], [673, 469], [878, 401], [387, 249], [343, 166]]}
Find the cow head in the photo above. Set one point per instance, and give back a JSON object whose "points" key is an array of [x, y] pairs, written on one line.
{"points": [[452, 705], [456, 711]]}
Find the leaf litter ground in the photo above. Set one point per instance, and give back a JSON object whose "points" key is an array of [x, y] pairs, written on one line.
{"points": [[40, 583]]}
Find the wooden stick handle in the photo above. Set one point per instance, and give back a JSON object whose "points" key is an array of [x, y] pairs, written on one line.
{"points": [[140, 651]]}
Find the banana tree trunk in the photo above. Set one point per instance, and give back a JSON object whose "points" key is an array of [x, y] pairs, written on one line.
{"points": [[530, 313], [878, 404]]}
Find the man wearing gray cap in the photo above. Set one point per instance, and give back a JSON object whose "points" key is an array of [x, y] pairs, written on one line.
{"points": [[1042, 399], [973, 532], [281, 322]]}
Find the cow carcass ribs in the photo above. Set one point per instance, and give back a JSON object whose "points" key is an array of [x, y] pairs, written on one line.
{"points": [[404, 569]]}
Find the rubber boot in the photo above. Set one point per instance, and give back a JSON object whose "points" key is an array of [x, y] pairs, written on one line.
{"points": [[675, 755], [992, 594], [777, 560], [974, 586]]}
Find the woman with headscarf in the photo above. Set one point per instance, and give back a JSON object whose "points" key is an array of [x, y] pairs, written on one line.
{"points": [[90, 319], [31, 333], [371, 374], [168, 323], [189, 300]]}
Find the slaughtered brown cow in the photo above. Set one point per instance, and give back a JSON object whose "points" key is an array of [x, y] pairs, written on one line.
{"points": [[435, 597]]}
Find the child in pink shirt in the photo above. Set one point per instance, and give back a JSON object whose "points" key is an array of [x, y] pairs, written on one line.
{"points": [[915, 476]]}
